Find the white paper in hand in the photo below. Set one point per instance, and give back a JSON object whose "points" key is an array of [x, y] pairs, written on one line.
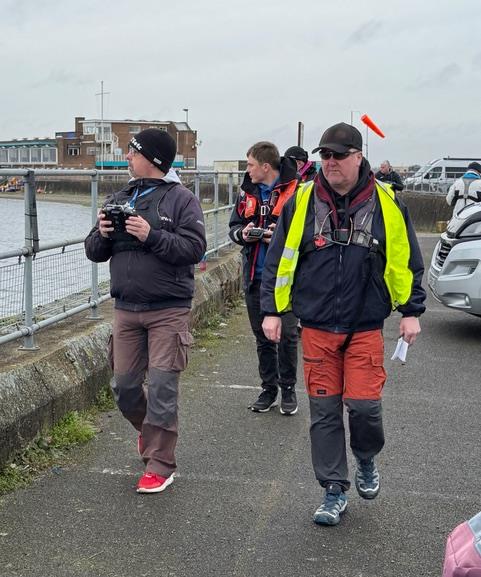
{"points": [[401, 350]]}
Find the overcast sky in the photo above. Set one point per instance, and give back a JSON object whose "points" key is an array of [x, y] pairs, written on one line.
{"points": [[250, 70]]}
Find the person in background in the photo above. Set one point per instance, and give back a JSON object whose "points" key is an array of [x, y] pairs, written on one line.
{"points": [[306, 169], [387, 174], [344, 255], [466, 189], [152, 262], [268, 183]]}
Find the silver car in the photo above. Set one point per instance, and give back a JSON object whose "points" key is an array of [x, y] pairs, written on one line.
{"points": [[455, 273]]}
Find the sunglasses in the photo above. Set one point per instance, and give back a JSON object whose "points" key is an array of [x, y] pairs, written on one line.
{"points": [[328, 154]]}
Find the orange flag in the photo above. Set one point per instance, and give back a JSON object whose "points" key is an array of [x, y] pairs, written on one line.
{"points": [[368, 122]]}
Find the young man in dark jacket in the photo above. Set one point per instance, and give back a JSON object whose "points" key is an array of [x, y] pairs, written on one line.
{"points": [[268, 183], [152, 262], [343, 256]]}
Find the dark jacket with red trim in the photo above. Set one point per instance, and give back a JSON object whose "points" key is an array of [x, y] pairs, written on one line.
{"points": [[328, 287], [157, 273], [247, 209]]}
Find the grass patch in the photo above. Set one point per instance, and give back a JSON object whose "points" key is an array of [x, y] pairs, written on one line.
{"points": [[50, 448], [212, 327]]}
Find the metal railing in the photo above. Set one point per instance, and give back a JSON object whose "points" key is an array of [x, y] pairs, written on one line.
{"points": [[431, 186], [71, 283]]}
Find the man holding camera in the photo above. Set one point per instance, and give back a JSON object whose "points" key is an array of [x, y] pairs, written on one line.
{"points": [[153, 233], [268, 183], [344, 256]]}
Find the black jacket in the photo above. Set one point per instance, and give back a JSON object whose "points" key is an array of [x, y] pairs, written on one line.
{"points": [[238, 219], [392, 178], [158, 273], [327, 289]]}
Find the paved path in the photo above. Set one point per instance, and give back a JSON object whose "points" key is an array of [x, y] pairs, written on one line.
{"points": [[243, 500]]}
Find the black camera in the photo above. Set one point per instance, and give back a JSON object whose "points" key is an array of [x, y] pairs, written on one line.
{"points": [[256, 233], [118, 214]]}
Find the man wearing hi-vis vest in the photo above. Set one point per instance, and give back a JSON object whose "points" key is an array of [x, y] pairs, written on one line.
{"points": [[343, 256]]}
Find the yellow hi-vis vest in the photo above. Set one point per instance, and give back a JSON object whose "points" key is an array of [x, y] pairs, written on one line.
{"points": [[397, 274]]}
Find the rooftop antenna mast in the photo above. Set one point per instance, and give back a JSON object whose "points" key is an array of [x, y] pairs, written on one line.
{"points": [[102, 143]]}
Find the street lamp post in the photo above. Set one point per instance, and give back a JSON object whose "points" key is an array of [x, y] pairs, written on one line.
{"points": [[366, 140]]}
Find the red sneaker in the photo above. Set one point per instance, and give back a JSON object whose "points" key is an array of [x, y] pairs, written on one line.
{"points": [[152, 483], [140, 445]]}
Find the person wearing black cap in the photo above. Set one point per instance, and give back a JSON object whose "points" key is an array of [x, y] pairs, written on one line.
{"points": [[306, 169], [344, 255], [268, 183], [153, 233], [466, 189], [386, 173]]}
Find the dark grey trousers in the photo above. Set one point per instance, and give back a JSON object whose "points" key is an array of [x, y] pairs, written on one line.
{"points": [[328, 443]]}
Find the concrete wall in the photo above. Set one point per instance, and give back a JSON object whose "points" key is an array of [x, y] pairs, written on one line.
{"points": [[426, 209], [37, 389]]}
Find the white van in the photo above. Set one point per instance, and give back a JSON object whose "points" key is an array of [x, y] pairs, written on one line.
{"points": [[455, 273], [439, 174]]}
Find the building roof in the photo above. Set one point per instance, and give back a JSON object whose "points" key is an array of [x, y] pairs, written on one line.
{"points": [[124, 121]]}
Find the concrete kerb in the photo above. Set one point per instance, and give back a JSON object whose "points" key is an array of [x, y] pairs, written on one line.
{"points": [[38, 390]]}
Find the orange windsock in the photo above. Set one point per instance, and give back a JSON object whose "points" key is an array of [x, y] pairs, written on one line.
{"points": [[368, 122]]}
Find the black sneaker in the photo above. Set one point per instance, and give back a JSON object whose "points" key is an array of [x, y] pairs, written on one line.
{"points": [[288, 401], [367, 478], [332, 507], [265, 402]]}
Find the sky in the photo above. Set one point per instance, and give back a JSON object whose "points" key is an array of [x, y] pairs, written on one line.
{"points": [[249, 71]]}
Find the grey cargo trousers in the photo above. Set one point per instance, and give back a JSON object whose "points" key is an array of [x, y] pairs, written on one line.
{"points": [[148, 351]]}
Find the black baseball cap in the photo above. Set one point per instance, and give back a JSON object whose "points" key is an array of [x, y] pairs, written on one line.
{"points": [[340, 138], [297, 152]]}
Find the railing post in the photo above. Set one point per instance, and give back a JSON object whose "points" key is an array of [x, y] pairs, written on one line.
{"points": [[31, 244], [216, 214], [95, 293], [197, 185], [231, 188]]}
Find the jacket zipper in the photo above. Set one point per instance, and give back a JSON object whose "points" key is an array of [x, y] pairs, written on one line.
{"points": [[338, 287]]}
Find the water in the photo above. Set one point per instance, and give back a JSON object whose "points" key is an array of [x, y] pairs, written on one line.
{"points": [[60, 278], [56, 222]]}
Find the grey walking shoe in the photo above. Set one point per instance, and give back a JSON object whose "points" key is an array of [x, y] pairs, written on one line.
{"points": [[332, 506], [367, 478]]}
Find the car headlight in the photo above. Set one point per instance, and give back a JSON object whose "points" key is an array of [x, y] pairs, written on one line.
{"points": [[474, 229]]}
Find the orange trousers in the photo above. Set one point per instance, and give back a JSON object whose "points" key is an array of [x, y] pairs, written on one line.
{"points": [[357, 373]]}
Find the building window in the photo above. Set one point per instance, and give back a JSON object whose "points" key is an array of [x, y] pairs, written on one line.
{"points": [[13, 155], [134, 129], [49, 154], [164, 128], [3, 155], [89, 127], [189, 162], [35, 155], [92, 150], [73, 150], [24, 155]]}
